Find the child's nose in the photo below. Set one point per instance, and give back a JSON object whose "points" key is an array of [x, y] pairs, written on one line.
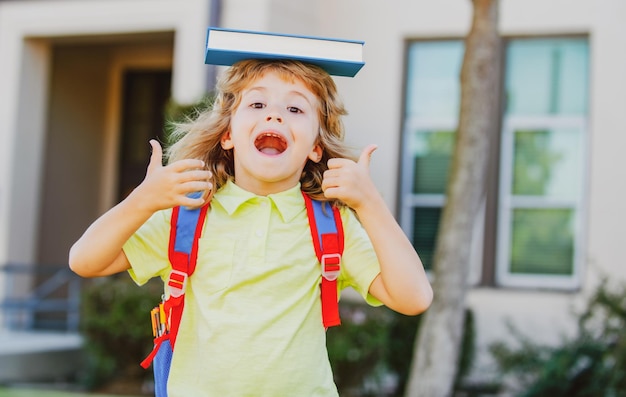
{"points": [[275, 116]]}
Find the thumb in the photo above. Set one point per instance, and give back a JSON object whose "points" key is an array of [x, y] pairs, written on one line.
{"points": [[156, 158], [366, 155]]}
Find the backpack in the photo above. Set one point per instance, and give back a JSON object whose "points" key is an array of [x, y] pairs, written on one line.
{"points": [[185, 230]]}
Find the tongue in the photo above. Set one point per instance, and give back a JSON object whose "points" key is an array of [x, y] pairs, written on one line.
{"points": [[270, 151], [270, 145]]}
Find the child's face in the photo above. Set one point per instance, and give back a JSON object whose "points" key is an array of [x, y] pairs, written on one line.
{"points": [[273, 132]]}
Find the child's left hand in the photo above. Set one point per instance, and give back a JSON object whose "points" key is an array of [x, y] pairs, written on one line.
{"points": [[402, 284], [350, 181]]}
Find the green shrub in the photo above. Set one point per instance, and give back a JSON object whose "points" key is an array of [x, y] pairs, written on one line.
{"points": [[592, 363], [116, 326], [356, 348], [374, 345]]}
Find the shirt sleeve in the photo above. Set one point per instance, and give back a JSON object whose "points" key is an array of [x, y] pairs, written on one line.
{"points": [[147, 249], [359, 264]]}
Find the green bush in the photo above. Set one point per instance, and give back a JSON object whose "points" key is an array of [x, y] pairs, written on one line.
{"points": [[592, 363], [116, 326], [357, 349], [372, 350]]}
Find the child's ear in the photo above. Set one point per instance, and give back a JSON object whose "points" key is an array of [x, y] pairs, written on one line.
{"points": [[227, 142], [316, 154]]}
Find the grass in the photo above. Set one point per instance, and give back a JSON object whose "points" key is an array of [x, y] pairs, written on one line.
{"points": [[22, 392]]}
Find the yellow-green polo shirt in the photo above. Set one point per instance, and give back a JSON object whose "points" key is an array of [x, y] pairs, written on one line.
{"points": [[252, 324]]}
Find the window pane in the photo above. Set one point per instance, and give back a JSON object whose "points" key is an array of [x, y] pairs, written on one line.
{"points": [[543, 160], [542, 241], [431, 112], [425, 227], [432, 151], [433, 78], [547, 76], [547, 163]]}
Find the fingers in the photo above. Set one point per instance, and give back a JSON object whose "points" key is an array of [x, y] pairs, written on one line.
{"points": [[194, 201], [189, 169], [176, 183], [187, 165], [363, 161], [196, 184], [156, 158], [197, 192], [347, 180], [191, 179], [366, 155], [194, 175]]}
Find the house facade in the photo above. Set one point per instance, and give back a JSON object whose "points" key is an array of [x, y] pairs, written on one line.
{"points": [[83, 85]]}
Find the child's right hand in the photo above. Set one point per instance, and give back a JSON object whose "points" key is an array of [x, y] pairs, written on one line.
{"points": [[99, 251], [169, 186]]}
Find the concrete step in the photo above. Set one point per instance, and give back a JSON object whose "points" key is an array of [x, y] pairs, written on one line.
{"points": [[33, 356]]}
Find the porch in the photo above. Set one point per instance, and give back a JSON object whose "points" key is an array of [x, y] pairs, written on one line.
{"points": [[39, 338]]}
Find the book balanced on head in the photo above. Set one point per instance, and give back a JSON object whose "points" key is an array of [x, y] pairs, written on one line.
{"points": [[338, 57]]}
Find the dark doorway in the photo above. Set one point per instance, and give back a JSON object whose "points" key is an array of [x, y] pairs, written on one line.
{"points": [[146, 93]]}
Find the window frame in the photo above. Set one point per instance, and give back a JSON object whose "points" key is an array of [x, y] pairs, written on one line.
{"points": [[409, 200], [491, 245], [507, 202]]}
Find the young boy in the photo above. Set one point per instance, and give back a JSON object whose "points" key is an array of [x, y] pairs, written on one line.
{"points": [[252, 319]]}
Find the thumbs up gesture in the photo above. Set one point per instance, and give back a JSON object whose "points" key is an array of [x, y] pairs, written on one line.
{"points": [[350, 181], [170, 186]]}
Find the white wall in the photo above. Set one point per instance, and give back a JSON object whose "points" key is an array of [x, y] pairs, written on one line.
{"points": [[607, 203]]}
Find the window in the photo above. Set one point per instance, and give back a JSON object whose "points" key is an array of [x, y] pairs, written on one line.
{"points": [[541, 156], [432, 104], [542, 163]]}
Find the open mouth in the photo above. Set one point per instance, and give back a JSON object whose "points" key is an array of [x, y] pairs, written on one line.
{"points": [[270, 144]]}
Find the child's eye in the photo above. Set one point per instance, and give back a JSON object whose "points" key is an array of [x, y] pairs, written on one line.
{"points": [[294, 109], [257, 105]]}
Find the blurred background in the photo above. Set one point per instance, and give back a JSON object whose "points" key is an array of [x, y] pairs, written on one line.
{"points": [[85, 84]]}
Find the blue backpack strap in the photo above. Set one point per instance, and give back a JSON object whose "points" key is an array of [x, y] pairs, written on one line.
{"points": [[327, 233], [185, 230]]}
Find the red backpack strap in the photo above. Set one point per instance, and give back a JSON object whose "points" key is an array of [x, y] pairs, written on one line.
{"points": [[185, 230], [327, 232]]}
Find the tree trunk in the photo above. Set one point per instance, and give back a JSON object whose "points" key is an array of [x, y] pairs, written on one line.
{"points": [[436, 355]]}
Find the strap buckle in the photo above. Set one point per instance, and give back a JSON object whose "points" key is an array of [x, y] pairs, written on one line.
{"points": [[177, 283], [331, 271]]}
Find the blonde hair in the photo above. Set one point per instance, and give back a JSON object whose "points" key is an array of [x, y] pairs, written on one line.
{"points": [[201, 138]]}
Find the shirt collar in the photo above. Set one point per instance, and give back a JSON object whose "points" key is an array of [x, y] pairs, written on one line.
{"points": [[289, 202]]}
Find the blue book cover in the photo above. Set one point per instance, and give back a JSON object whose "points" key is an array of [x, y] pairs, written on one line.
{"points": [[336, 56]]}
